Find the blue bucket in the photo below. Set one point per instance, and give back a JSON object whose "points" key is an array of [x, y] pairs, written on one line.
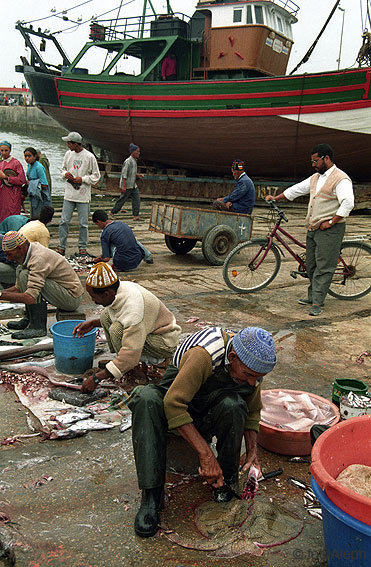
{"points": [[73, 355], [347, 540]]}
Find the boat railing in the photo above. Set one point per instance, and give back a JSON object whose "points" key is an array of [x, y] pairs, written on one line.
{"points": [[288, 5], [131, 27]]}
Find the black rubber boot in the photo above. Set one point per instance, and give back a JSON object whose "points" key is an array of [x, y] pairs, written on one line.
{"points": [[147, 520], [21, 324], [37, 325]]}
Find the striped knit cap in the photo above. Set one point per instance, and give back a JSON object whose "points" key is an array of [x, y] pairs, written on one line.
{"points": [[101, 275], [13, 239], [255, 348]]}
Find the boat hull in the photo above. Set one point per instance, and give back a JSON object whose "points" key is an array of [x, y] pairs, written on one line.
{"points": [[260, 122]]}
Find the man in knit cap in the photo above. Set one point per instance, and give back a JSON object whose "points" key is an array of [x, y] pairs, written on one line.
{"points": [[331, 200], [137, 325], [128, 183], [42, 276], [211, 388]]}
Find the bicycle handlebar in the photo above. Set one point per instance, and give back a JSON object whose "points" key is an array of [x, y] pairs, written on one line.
{"points": [[279, 211]]}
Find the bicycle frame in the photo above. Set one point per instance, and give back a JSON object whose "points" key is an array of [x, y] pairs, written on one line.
{"points": [[274, 234], [345, 270]]}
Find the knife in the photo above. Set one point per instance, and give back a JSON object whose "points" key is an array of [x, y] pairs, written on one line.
{"points": [[270, 474]]}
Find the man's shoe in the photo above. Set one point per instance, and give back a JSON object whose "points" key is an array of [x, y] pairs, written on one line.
{"points": [[149, 260], [147, 519], [305, 301], [83, 251], [315, 310], [60, 251], [136, 219]]}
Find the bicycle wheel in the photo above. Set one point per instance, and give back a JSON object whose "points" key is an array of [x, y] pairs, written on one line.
{"points": [[353, 280], [239, 273]]}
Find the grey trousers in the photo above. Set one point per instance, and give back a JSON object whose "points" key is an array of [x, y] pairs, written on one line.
{"points": [[7, 274], [52, 292], [133, 195], [322, 254], [225, 419], [83, 210]]}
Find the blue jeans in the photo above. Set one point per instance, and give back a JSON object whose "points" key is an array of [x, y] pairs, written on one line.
{"points": [[83, 210], [37, 204], [133, 195]]}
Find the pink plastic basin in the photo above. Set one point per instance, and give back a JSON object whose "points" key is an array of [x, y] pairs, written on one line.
{"points": [[347, 443], [286, 442]]}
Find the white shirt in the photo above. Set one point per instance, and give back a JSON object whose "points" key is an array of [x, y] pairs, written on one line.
{"points": [[343, 190]]}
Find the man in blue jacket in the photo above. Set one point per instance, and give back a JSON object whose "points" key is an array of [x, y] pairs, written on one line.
{"points": [[242, 198]]}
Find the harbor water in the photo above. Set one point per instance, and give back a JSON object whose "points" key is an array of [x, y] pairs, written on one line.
{"points": [[50, 143]]}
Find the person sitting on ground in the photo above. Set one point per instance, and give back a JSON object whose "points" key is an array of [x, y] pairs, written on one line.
{"points": [[7, 269], [242, 198], [118, 242], [35, 230], [137, 325], [13, 222], [212, 387], [42, 276]]}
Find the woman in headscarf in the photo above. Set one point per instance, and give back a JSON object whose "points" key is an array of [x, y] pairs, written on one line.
{"points": [[38, 186], [12, 178]]}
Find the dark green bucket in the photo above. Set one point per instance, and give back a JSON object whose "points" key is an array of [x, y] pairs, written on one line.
{"points": [[342, 387]]}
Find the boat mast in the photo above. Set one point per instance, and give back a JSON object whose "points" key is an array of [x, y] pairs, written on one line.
{"points": [[145, 3], [311, 49]]}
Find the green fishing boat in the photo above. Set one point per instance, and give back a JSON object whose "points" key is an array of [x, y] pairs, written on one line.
{"points": [[229, 95]]}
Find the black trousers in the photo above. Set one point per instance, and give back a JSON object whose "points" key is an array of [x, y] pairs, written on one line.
{"points": [[224, 417]]}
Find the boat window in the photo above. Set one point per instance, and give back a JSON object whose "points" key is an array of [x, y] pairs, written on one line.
{"points": [[248, 15], [96, 59], [259, 15], [279, 24], [237, 16], [137, 58]]}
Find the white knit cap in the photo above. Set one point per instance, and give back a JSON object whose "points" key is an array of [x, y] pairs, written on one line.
{"points": [[101, 275]]}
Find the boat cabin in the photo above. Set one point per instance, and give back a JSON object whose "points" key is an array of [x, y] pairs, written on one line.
{"points": [[223, 40]]}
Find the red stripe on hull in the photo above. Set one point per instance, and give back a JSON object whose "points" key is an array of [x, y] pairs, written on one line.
{"points": [[272, 147]]}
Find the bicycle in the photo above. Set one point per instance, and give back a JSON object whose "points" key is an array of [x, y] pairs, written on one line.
{"points": [[253, 265]]}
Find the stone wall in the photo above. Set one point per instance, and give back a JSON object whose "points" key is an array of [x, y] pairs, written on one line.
{"points": [[29, 117]]}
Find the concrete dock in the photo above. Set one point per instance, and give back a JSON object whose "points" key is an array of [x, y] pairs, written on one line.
{"points": [[83, 517]]}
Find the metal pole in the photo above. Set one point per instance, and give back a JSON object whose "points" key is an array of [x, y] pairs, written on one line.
{"points": [[341, 36]]}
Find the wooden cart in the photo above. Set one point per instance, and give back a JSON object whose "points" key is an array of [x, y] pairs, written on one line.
{"points": [[183, 227]]}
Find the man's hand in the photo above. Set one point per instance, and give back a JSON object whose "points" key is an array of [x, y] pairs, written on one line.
{"points": [[69, 175], [220, 199], [84, 327], [78, 180], [140, 175], [3, 175], [269, 198], [228, 204], [210, 471], [88, 385], [91, 382], [251, 451]]}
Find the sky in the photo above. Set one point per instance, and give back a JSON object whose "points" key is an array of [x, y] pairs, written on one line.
{"points": [[312, 15]]}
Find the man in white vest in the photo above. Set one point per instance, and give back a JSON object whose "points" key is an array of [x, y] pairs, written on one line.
{"points": [[331, 201]]}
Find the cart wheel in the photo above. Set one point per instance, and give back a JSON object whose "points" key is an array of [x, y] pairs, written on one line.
{"points": [[218, 241], [179, 245]]}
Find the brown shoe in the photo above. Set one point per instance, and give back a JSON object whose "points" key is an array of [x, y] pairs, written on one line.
{"points": [[60, 251], [83, 251]]}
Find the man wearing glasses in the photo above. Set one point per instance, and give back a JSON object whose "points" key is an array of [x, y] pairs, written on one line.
{"points": [[330, 201]]}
